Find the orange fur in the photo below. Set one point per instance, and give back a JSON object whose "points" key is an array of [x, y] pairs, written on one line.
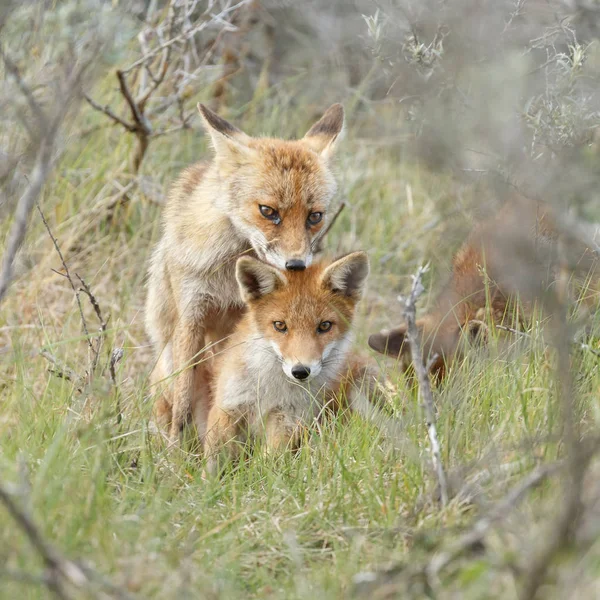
{"points": [[255, 390]]}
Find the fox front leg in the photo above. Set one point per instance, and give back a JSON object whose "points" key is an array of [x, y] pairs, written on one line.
{"points": [[222, 438], [188, 341], [282, 433]]}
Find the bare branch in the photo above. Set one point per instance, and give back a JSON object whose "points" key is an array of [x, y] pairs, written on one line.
{"points": [[115, 358], [70, 279], [187, 34], [41, 170], [24, 207], [108, 112], [24, 577], [319, 240], [59, 569], [141, 123], [410, 313], [36, 109], [93, 301], [499, 511], [561, 529], [62, 371], [431, 568]]}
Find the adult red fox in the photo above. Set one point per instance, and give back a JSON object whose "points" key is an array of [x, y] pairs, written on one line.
{"points": [[505, 266], [289, 356], [260, 197]]}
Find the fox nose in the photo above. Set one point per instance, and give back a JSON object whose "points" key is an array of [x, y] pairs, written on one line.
{"points": [[300, 371], [295, 265]]}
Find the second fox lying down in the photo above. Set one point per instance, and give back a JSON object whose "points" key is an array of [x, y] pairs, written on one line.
{"points": [[506, 266], [289, 356]]}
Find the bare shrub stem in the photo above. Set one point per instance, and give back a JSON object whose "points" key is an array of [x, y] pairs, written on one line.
{"points": [[410, 313], [38, 178]]}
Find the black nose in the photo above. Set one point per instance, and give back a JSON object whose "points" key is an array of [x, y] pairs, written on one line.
{"points": [[300, 371], [295, 265]]}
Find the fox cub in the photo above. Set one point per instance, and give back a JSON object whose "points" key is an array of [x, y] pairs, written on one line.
{"points": [[260, 197], [288, 357], [508, 262]]}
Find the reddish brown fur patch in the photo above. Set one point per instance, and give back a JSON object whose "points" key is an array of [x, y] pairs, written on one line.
{"points": [[485, 280]]}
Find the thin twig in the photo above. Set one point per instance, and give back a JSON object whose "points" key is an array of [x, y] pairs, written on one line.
{"points": [[115, 358], [410, 313], [63, 371], [85, 288], [580, 345], [319, 241], [519, 5], [588, 348], [70, 279], [513, 331], [109, 113]]}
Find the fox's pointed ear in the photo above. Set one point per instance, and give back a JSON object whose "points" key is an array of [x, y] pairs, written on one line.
{"points": [[228, 141], [256, 278], [392, 343], [347, 275], [323, 135]]}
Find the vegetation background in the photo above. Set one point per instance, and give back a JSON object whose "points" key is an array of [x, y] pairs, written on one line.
{"points": [[449, 104]]}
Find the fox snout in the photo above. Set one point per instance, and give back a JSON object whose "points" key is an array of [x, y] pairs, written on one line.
{"points": [[289, 250], [296, 261], [295, 264], [302, 371]]}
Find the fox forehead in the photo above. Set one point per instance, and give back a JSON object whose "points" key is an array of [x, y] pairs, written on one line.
{"points": [[286, 172], [303, 302]]}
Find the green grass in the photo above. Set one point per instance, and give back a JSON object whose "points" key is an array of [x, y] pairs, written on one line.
{"points": [[289, 527]]}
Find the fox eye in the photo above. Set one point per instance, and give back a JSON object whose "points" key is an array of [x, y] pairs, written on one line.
{"points": [[324, 326], [269, 213], [315, 218], [280, 326]]}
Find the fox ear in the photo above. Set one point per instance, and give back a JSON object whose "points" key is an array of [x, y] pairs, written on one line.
{"points": [[347, 275], [256, 278], [323, 135], [228, 141], [390, 342]]}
